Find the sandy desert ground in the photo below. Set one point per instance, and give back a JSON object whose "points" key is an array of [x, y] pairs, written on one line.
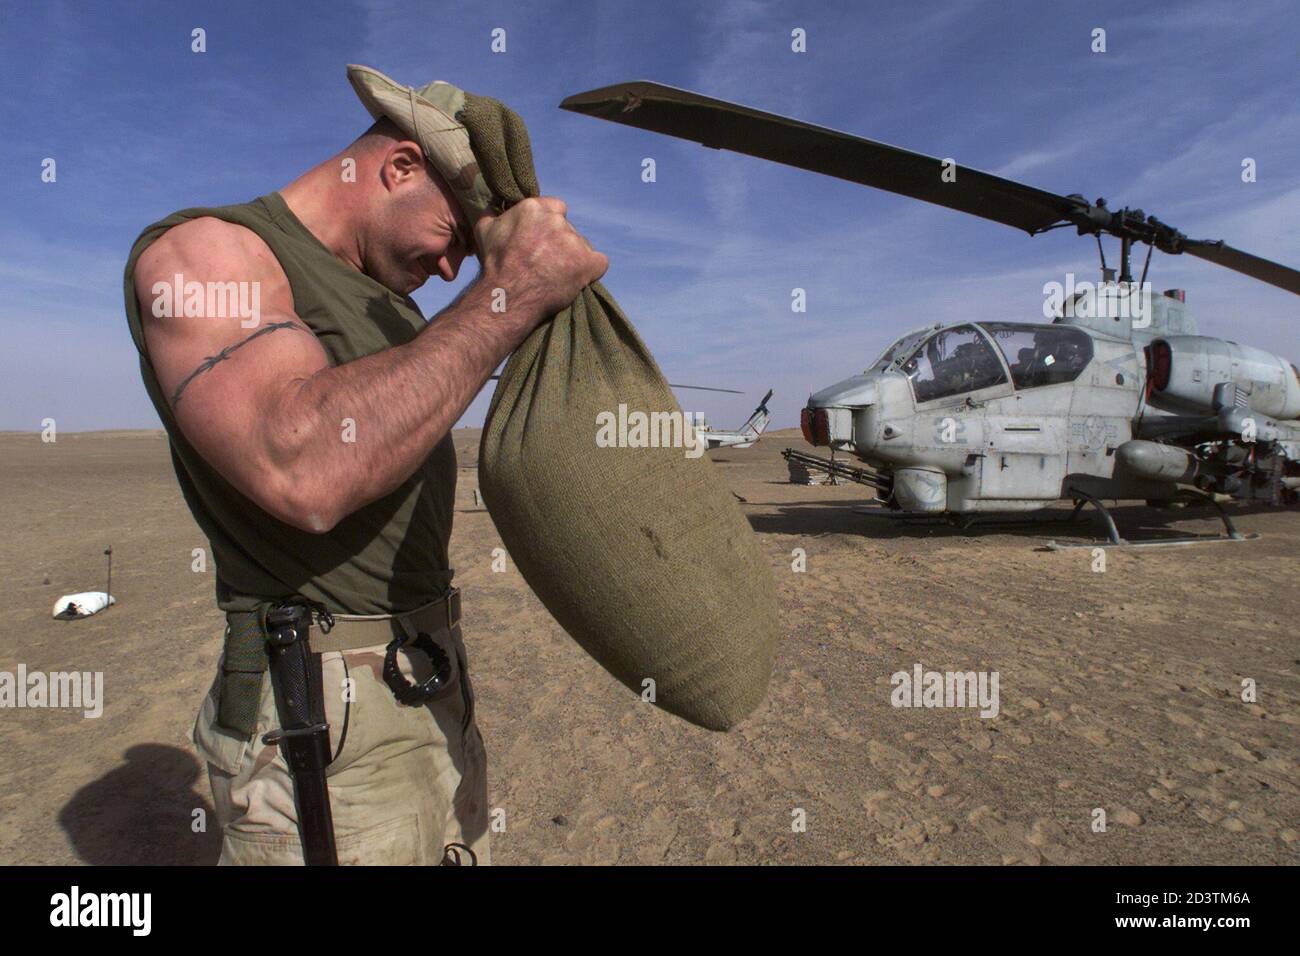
{"points": [[1118, 690]]}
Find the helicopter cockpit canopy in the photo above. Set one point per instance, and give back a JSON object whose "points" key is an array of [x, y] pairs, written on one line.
{"points": [[960, 359], [900, 350], [1041, 354], [953, 361]]}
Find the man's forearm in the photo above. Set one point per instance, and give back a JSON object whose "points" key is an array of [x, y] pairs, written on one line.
{"points": [[352, 433]]}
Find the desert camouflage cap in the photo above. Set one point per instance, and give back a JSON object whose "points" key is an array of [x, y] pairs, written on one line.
{"points": [[429, 115]]}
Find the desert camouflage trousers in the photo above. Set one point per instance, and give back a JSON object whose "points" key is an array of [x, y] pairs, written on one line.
{"points": [[405, 782]]}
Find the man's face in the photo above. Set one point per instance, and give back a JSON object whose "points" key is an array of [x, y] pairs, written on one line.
{"points": [[421, 232]]}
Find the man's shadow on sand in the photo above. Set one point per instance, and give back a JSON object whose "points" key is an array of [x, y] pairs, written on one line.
{"points": [[144, 812]]}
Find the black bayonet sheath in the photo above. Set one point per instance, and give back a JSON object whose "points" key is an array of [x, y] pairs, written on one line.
{"points": [[304, 736]]}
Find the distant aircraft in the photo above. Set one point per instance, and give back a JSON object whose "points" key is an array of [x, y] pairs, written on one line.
{"points": [[746, 435]]}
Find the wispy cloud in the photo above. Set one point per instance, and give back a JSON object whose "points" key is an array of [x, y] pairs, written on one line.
{"points": [[705, 258]]}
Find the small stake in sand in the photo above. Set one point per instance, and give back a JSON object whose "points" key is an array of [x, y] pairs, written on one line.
{"points": [[108, 588]]}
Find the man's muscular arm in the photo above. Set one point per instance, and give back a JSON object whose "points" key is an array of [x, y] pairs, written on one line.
{"points": [[265, 409]]}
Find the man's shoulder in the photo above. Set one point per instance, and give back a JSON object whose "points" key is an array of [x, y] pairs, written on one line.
{"points": [[204, 237], [207, 244]]}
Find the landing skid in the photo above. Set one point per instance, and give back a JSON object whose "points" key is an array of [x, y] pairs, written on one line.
{"points": [[961, 521], [1082, 498], [911, 517], [966, 521]]}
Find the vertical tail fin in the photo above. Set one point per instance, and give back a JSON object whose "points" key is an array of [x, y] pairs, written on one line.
{"points": [[757, 421]]}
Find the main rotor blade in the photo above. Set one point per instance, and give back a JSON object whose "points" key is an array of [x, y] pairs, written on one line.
{"points": [[1284, 277], [719, 124], [722, 125], [705, 388]]}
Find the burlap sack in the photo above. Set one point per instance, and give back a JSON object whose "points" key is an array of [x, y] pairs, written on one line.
{"points": [[640, 553]]}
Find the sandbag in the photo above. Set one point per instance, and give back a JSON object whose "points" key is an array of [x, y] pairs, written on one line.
{"points": [[640, 553], [83, 604]]}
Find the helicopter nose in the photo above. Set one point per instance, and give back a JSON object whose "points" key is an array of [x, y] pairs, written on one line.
{"points": [[856, 392], [815, 425]]}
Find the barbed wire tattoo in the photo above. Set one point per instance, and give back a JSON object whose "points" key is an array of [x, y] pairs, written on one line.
{"points": [[209, 362]]}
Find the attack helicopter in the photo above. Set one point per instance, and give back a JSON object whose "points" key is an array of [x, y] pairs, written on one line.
{"points": [[1115, 397]]}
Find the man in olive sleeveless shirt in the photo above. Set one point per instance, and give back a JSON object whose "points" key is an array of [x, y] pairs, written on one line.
{"points": [[309, 406]]}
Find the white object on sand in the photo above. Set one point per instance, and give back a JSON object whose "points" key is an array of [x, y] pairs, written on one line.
{"points": [[82, 605]]}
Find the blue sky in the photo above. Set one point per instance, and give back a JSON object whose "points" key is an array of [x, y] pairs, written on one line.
{"points": [[704, 259]]}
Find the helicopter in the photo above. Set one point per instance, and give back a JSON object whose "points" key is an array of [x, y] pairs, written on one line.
{"points": [[1113, 396], [745, 435]]}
